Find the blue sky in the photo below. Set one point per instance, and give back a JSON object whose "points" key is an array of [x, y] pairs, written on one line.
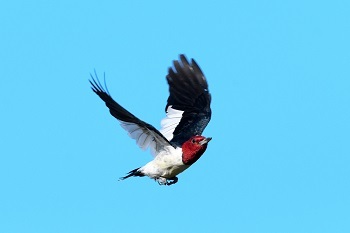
{"points": [[279, 76]]}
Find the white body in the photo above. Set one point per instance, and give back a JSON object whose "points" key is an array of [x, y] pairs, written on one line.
{"points": [[167, 164]]}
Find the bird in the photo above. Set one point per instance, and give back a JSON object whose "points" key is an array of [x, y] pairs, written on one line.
{"points": [[179, 143]]}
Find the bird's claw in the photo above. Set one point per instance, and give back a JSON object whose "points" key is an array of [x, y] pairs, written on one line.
{"points": [[165, 181], [172, 180]]}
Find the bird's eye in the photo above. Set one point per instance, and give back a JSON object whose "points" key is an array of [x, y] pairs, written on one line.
{"points": [[193, 141]]}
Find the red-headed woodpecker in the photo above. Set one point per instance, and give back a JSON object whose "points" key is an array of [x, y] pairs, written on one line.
{"points": [[179, 143]]}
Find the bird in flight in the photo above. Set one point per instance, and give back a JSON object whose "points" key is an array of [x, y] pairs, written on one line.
{"points": [[179, 143]]}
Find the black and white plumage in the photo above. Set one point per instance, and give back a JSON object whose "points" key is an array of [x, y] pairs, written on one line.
{"points": [[188, 93], [178, 144]]}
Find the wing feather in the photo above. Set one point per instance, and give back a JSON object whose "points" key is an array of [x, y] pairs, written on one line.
{"points": [[146, 135], [188, 107], [187, 111], [170, 122]]}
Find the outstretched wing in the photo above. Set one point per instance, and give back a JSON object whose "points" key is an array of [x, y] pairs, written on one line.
{"points": [[188, 107], [146, 135]]}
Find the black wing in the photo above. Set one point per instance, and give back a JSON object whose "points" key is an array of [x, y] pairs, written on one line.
{"points": [[188, 93], [145, 134]]}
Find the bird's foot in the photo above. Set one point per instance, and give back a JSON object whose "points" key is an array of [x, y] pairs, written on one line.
{"points": [[172, 180], [165, 181], [161, 181]]}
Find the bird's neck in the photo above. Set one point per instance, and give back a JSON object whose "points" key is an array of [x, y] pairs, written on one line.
{"points": [[190, 155]]}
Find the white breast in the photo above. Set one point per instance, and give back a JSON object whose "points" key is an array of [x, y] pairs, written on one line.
{"points": [[166, 164]]}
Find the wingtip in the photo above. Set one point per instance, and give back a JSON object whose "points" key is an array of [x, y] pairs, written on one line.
{"points": [[96, 84], [182, 56]]}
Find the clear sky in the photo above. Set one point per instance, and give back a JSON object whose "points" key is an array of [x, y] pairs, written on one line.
{"points": [[279, 76]]}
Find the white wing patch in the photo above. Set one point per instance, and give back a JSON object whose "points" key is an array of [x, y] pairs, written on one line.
{"points": [[144, 138], [170, 122]]}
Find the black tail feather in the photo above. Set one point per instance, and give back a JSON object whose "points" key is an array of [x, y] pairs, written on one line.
{"points": [[134, 172]]}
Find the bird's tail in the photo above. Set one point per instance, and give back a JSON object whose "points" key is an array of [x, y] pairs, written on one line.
{"points": [[135, 172]]}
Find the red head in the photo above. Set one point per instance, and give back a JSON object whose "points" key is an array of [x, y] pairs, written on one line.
{"points": [[193, 149]]}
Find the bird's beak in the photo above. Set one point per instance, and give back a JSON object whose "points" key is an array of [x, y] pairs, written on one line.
{"points": [[204, 141]]}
